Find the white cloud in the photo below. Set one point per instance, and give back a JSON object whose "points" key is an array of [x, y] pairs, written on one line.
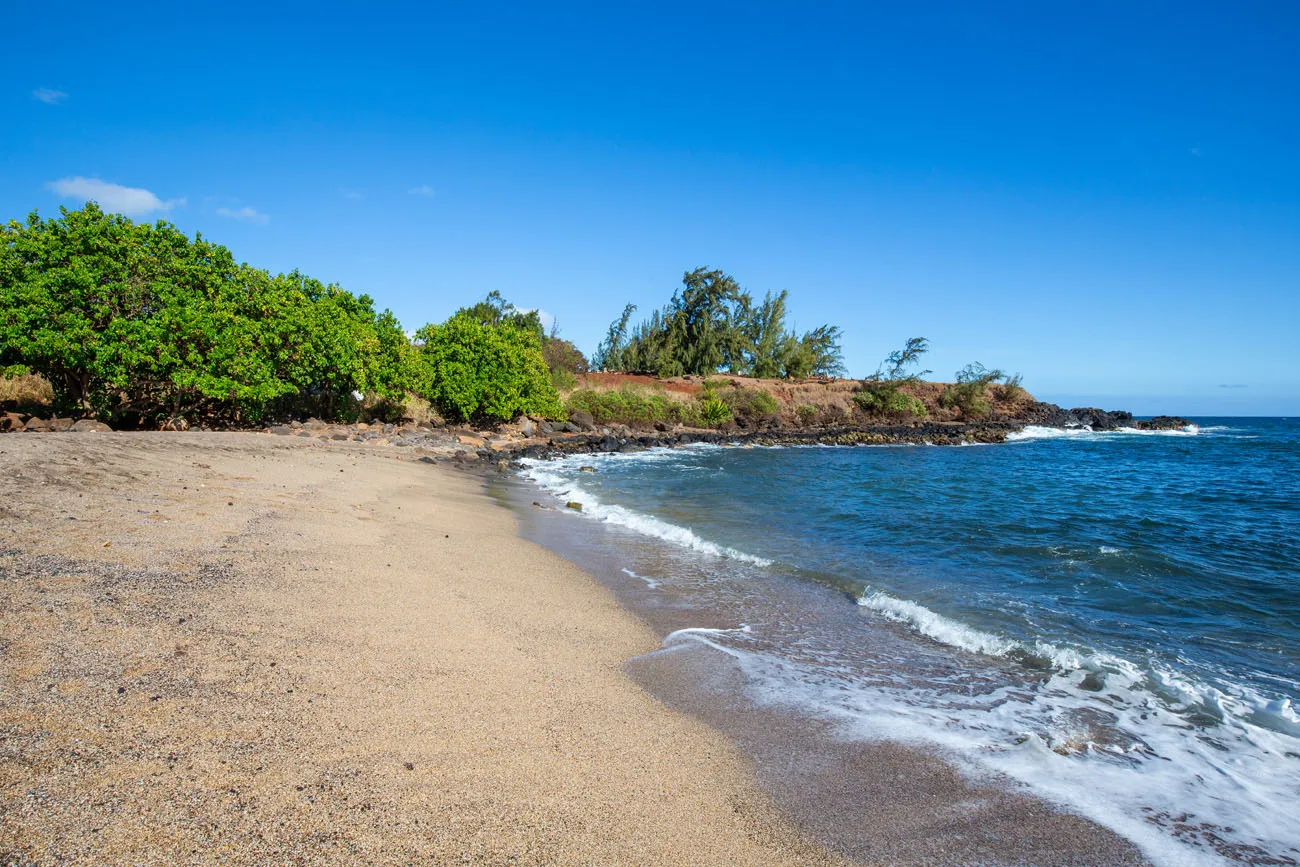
{"points": [[49, 95], [350, 193], [132, 201], [247, 214], [422, 190], [546, 319]]}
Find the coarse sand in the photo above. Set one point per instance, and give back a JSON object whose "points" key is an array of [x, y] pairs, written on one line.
{"points": [[241, 649]]}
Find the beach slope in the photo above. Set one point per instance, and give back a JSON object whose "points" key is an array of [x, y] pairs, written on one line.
{"points": [[233, 648]]}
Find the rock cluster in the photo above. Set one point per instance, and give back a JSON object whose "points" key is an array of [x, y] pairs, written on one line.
{"points": [[1051, 415], [15, 421]]}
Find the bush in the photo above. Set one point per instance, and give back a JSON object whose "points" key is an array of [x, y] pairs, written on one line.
{"points": [[630, 406], [806, 413], [714, 412], [743, 403], [483, 373], [1012, 391], [970, 393], [887, 400]]}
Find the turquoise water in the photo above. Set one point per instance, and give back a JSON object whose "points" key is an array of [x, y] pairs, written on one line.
{"points": [[1111, 619]]}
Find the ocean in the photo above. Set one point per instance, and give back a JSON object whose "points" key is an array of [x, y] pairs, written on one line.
{"points": [[1110, 621]]}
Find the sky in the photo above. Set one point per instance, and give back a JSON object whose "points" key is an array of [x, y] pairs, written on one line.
{"points": [[1102, 196]]}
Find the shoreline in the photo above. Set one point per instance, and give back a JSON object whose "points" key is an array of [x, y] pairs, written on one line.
{"points": [[876, 801], [229, 648]]}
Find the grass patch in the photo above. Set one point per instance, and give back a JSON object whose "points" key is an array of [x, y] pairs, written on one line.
{"points": [[21, 388]]}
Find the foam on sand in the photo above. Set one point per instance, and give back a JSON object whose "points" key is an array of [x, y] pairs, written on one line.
{"points": [[550, 475]]}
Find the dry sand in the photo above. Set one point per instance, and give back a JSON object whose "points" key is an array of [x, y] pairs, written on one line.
{"points": [[236, 648]]}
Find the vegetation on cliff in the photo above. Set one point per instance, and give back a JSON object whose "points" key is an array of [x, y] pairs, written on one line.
{"points": [[141, 325], [712, 325]]}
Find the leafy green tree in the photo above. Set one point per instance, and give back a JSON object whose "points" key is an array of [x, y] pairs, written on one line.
{"points": [[139, 323], [480, 372]]}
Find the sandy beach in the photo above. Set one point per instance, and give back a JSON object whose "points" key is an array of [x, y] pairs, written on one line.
{"points": [[236, 648]]}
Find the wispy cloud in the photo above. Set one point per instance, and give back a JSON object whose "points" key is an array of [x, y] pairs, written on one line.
{"points": [[1233, 385], [132, 201], [350, 193], [422, 190], [49, 95], [247, 214]]}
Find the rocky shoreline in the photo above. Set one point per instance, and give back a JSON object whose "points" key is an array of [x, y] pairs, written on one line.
{"points": [[540, 438]]}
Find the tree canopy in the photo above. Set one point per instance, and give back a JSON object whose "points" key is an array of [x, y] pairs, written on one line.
{"points": [[140, 324], [135, 320], [711, 325]]}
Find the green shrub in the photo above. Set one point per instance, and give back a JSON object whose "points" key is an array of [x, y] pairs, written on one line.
{"points": [[742, 402], [630, 406], [970, 393], [714, 412], [886, 400], [806, 413], [480, 372]]}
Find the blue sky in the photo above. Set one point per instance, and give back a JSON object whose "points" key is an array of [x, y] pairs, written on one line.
{"points": [[1103, 196]]}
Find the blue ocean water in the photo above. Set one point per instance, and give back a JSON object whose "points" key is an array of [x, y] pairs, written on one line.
{"points": [[1111, 619]]}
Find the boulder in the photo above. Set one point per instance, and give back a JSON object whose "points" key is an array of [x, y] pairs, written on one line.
{"points": [[61, 425], [583, 420], [38, 425], [1164, 422], [1100, 419], [89, 425], [526, 426], [11, 421]]}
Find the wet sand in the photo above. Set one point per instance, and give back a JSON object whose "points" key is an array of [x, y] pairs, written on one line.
{"points": [[237, 648], [877, 802]]}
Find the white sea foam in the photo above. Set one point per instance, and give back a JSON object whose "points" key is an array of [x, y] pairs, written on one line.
{"points": [[552, 477], [936, 626], [1239, 773], [1038, 432], [650, 583]]}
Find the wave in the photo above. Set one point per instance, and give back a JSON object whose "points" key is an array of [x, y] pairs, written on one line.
{"points": [[1038, 432], [1226, 703], [568, 490]]}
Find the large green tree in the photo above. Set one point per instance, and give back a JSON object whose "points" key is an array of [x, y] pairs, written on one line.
{"points": [[477, 371], [139, 322], [710, 325]]}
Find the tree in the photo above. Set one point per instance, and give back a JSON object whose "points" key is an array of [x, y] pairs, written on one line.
{"points": [[711, 324], [481, 372], [139, 324]]}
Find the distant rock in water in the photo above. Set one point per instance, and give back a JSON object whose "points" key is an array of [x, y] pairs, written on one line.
{"points": [[1051, 415], [1164, 422]]}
